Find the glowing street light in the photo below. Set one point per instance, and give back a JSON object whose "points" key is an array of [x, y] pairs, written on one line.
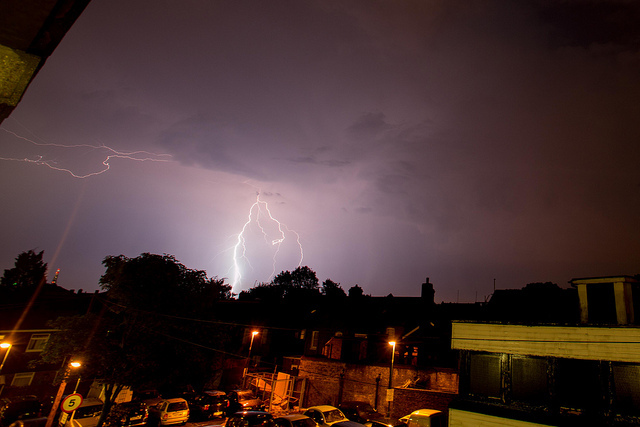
{"points": [[63, 385], [6, 346], [253, 335], [246, 365], [390, 391]]}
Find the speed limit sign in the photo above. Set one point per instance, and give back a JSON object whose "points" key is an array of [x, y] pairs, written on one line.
{"points": [[71, 402]]}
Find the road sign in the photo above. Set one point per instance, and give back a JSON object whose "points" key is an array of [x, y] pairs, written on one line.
{"points": [[71, 402]]}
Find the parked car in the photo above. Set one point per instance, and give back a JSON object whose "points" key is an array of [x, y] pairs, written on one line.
{"points": [[326, 415], [250, 419], [295, 420], [150, 396], [208, 405], [424, 418], [30, 422], [87, 414], [169, 411], [385, 422], [128, 414], [359, 411], [19, 408], [243, 400]]}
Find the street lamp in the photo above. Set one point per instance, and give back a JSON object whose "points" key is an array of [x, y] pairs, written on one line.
{"points": [[63, 385], [6, 346], [246, 365], [253, 335], [390, 390]]}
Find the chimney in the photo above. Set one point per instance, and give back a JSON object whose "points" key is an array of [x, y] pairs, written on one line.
{"points": [[428, 293]]}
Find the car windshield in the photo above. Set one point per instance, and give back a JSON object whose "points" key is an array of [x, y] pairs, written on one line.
{"points": [[333, 416], [177, 406], [304, 422]]}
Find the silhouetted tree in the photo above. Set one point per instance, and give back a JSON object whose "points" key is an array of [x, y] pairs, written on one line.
{"points": [[301, 278], [157, 317], [263, 292], [299, 283], [331, 289], [28, 272]]}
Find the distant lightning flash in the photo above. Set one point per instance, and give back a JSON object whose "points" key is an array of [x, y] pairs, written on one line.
{"points": [[260, 207], [139, 156]]}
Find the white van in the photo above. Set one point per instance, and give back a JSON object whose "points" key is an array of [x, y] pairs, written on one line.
{"points": [[87, 414], [425, 418]]}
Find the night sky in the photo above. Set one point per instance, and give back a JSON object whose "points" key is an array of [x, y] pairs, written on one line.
{"points": [[464, 141]]}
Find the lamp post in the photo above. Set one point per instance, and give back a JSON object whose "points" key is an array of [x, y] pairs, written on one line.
{"points": [[246, 365], [6, 346], [390, 390], [58, 398]]}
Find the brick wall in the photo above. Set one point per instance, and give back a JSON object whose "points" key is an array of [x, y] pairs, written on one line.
{"points": [[329, 382]]}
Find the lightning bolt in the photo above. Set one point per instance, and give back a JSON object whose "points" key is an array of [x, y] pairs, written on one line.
{"points": [[109, 153], [259, 209]]}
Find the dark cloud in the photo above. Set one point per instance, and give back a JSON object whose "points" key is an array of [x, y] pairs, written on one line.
{"points": [[465, 141]]}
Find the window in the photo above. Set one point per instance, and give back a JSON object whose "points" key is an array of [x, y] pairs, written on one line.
{"points": [[314, 340], [627, 387], [578, 383], [485, 375], [529, 379], [38, 342], [22, 379]]}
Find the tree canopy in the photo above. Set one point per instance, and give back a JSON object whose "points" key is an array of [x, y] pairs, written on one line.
{"points": [[156, 324], [28, 272], [332, 289], [299, 283]]}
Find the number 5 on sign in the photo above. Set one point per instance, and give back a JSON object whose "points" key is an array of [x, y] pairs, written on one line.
{"points": [[71, 402]]}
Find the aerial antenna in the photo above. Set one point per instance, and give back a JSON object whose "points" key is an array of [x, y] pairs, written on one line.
{"points": [[55, 278]]}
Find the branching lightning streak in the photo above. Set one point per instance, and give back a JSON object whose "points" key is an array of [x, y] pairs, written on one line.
{"points": [[240, 249], [139, 156]]}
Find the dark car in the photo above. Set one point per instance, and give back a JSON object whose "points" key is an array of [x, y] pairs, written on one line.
{"points": [[19, 408], [250, 419], [150, 397], [295, 420], [243, 400], [385, 422], [128, 414], [208, 405], [359, 411]]}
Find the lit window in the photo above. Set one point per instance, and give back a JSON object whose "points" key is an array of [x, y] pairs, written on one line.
{"points": [[314, 340], [38, 342], [303, 333], [22, 379]]}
